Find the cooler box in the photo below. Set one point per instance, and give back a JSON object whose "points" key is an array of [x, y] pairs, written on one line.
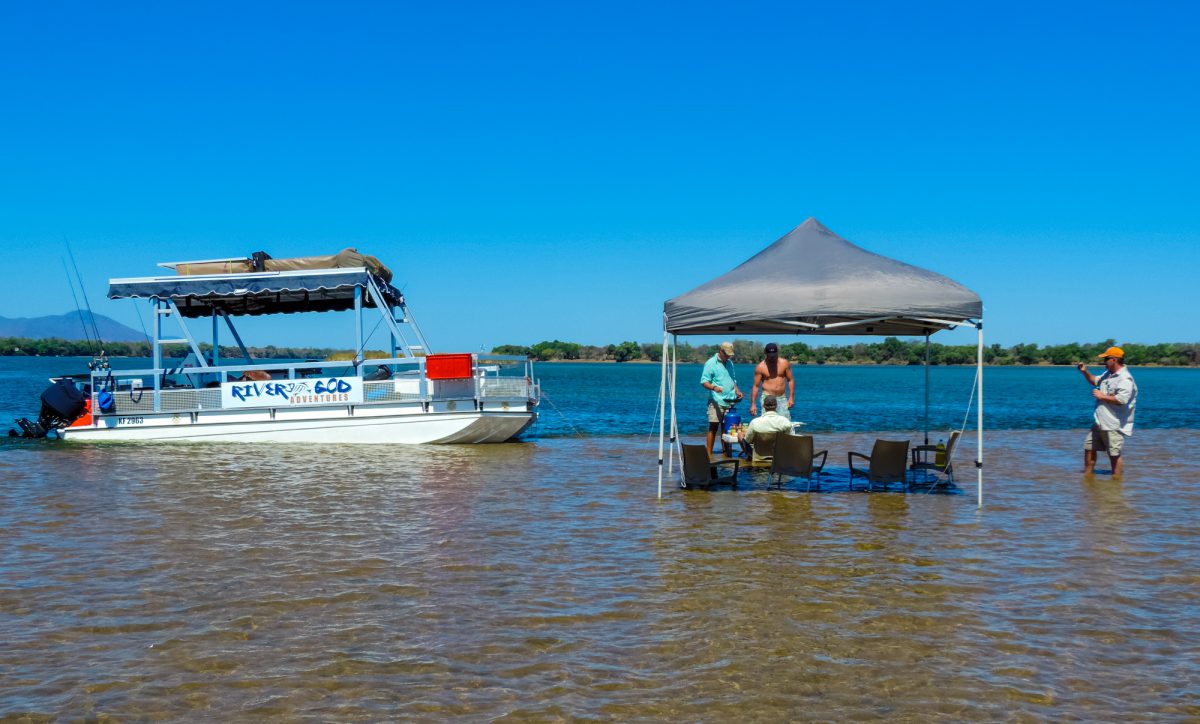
{"points": [[447, 366]]}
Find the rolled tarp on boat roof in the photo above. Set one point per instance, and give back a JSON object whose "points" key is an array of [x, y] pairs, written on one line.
{"points": [[348, 258], [283, 292], [812, 281]]}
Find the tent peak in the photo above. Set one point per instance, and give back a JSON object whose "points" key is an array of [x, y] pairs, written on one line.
{"points": [[812, 225]]}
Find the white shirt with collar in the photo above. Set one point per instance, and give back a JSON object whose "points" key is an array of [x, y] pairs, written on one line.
{"points": [[1119, 417], [769, 421]]}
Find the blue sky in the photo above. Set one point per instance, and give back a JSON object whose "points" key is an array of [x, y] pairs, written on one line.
{"points": [[557, 170]]}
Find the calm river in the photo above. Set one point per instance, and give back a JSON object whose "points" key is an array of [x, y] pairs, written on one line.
{"points": [[545, 580]]}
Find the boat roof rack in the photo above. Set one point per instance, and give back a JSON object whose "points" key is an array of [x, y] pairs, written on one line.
{"points": [[174, 265], [274, 292]]}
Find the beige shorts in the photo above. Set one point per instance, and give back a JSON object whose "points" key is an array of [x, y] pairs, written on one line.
{"points": [[716, 415], [1109, 440]]}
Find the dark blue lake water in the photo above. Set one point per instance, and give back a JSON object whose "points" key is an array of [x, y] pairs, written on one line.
{"points": [[622, 399], [613, 399]]}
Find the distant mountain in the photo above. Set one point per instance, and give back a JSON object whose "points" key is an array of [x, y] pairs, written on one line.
{"points": [[68, 326]]}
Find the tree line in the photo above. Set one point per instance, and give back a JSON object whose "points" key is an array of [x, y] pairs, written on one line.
{"points": [[889, 351], [52, 347]]}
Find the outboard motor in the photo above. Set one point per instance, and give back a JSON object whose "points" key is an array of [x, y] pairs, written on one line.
{"points": [[62, 404]]}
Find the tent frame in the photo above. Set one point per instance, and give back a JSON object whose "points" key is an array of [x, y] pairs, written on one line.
{"points": [[811, 281], [667, 388]]}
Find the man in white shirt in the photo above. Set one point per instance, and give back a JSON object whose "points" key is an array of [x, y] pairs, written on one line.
{"points": [[1116, 399], [769, 421]]}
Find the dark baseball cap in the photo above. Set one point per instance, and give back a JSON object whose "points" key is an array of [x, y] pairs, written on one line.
{"points": [[771, 347]]}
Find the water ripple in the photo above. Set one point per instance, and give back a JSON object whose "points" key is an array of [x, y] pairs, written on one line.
{"points": [[546, 581]]}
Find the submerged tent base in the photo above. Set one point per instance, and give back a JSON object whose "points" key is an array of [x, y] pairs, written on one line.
{"points": [[668, 438]]}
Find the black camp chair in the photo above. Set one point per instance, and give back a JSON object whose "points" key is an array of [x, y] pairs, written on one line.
{"points": [[886, 464], [763, 447], [700, 472], [795, 458]]}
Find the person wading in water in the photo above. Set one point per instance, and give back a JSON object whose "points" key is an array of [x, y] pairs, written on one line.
{"points": [[1115, 393], [774, 375]]}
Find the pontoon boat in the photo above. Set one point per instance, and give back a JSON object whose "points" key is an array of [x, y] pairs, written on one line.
{"points": [[413, 396]]}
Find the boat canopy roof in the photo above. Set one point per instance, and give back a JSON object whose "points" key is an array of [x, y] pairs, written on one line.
{"points": [[270, 292]]}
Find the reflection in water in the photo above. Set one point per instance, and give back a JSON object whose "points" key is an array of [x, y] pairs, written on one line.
{"points": [[545, 580]]}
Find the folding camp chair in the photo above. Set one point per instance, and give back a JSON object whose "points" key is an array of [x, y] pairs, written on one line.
{"points": [[886, 463], [763, 447], [700, 472], [794, 457]]}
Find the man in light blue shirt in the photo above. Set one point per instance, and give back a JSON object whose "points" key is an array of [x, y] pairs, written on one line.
{"points": [[718, 379]]}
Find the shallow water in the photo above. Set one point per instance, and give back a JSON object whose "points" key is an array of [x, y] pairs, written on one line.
{"points": [[546, 580]]}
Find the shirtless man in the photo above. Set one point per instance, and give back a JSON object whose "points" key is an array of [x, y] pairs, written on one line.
{"points": [[774, 374]]}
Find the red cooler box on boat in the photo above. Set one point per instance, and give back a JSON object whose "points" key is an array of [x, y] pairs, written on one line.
{"points": [[447, 366]]}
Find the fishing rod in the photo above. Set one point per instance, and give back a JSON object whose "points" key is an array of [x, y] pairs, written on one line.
{"points": [[75, 298], [366, 340], [145, 334], [100, 362], [83, 290]]}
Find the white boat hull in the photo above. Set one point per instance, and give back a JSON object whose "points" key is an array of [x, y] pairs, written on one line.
{"points": [[374, 428]]}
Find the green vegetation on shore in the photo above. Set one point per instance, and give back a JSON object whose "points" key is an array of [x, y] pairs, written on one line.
{"points": [[50, 347], [889, 351]]}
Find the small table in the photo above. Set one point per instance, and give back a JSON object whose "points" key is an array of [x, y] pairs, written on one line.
{"points": [[726, 437]]}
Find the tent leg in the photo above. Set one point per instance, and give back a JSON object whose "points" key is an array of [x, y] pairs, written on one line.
{"points": [[673, 433], [979, 423], [675, 419], [662, 413], [927, 388]]}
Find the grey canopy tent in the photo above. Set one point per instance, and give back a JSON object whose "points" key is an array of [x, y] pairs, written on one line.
{"points": [[812, 281]]}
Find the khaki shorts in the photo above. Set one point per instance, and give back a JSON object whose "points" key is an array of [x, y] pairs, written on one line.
{"points": [[714, 414], [1109, 440]]}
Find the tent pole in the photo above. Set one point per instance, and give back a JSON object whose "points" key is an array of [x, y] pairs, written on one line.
{"points": [[662, 412], [927, 388], [673, 434], [979, 423]]}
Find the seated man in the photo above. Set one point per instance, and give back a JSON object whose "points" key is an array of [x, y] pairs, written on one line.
{"points": [[769, 421]]}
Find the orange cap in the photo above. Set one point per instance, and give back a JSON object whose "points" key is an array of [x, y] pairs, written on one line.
{"points": [[1112, 352]]}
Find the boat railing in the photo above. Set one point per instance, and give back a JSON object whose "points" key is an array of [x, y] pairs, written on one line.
{"points": [[198, 389]]}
